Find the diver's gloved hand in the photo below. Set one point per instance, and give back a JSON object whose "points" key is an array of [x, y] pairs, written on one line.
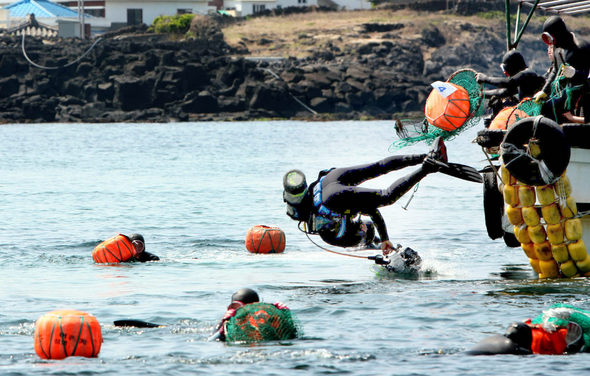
{"points": [[280, 305], [437, 157], [480, 77], [567, 71], [387, 247], [540, 97]]}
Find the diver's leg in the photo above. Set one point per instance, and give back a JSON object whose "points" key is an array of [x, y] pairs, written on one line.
{"points": [[358, 174], [341, 197]]}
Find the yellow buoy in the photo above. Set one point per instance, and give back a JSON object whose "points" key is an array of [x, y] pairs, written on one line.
{"points": [[560, 253], [568, 268], [563, 187], [551, 213], [535, 264], [534, 148], [529, 250], [507, 178], [577, 250], [555, 233], [514, 215], [569, 209], [543, 251], [545, 194], [526, 195], [521, 234], [537, 234], [530, 216], [584, 265], [549, 268], [511, 195], [573, 229]]}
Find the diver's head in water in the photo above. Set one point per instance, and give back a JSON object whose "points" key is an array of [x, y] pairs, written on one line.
{"points": [[521, 335], [245, 296], [294, 194], [138, 243]]}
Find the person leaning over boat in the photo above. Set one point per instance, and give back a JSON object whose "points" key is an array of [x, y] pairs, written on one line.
{"points": [[571, 63], [332, 205], [520, 82], [562, 329], [141, 255]]}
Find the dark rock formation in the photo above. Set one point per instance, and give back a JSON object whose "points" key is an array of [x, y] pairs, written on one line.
{"points": [[139, 76]]}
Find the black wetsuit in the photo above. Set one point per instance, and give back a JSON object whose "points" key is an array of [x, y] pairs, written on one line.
{"points": [[576, 54], [342, 197], [524, 84], [521, 82], [145, 256]]}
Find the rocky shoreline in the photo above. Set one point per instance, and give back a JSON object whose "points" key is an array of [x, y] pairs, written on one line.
{"points": [[135, 76]]}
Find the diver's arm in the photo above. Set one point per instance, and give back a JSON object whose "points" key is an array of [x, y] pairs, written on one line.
{"points": [[496, 81], [549, 80], [377, 219], [500, 92]]}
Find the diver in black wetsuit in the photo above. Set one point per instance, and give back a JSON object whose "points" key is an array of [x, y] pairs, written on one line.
{"points": [[331, 206], [141, 255], [571, 62], [520, 82]]}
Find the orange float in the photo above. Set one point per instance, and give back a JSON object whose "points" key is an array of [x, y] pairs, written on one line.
{"points": [[114, 250], [63, 333], [265, 239], [447, 106], [506, 117]]}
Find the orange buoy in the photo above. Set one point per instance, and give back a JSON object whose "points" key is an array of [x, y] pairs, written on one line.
{"points": [[506, 117], [114, 250], [265, 239], [63, 333], [447, 106]]}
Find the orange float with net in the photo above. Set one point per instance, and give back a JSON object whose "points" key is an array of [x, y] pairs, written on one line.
{"points": [[114, 250], [63, 333], [265, 239], [506, 117], [447, 106]]}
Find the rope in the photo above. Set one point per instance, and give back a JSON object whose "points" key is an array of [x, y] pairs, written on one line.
{"points": [[492, 165], [405, 207], [59, 67], [289, 92], [323, 248]]}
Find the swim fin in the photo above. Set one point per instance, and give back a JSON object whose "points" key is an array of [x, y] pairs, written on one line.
{"points": [[136, 323], [460, 171]]}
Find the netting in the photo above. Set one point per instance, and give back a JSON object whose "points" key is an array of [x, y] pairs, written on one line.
{"points": [[530, 107], [422, 131], [558, 315], [258, 322]]}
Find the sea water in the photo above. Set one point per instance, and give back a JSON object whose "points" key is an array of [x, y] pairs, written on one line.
{"points": [[193, 190]]}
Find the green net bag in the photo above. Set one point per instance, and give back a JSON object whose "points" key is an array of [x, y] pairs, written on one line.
{"points": [[558, 315], [258, 322], [423, 131]]}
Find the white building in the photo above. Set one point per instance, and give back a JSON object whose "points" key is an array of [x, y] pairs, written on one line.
{"points": [[132, 12]]}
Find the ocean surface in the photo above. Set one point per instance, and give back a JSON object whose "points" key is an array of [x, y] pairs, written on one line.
{"points": [[193, 190]]}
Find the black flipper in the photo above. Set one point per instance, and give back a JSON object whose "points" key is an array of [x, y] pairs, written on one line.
{"points": [[460, 171], [136, 323]]}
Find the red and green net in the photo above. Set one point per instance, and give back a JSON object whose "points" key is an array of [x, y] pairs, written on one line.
{"points": [[259, 322]]}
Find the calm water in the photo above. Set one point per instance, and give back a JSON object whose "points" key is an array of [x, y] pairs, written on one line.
{"points": [[193, 190]]}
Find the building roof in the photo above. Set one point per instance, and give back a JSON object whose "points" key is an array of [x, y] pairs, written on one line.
{"points": [[40, 8]]}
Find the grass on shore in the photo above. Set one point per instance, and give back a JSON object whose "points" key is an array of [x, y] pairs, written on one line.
{"points": [[299, 35]]}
